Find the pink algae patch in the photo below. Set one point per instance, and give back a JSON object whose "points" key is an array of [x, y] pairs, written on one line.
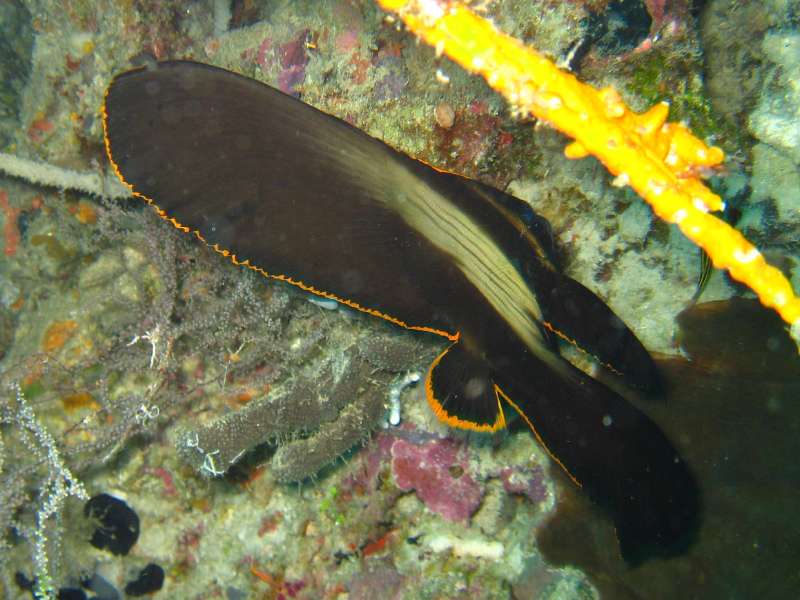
{"points": [[435, 470], [291, 57], [264, 52], [346, 41], [293, 53]]}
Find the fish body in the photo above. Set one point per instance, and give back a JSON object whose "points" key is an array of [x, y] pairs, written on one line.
{"points": [[303, 197]]}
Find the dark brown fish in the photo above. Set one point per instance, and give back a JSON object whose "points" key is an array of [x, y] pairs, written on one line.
{"points": [[303, 197]]}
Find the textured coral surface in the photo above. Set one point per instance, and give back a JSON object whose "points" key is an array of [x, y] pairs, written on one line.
{"points": [[156, 366]]}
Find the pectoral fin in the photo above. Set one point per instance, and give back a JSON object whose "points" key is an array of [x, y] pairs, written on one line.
{"points": [[462, 392]]}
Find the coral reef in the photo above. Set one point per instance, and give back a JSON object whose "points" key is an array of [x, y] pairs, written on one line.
{"points": [[774, 122], [236, 418]]}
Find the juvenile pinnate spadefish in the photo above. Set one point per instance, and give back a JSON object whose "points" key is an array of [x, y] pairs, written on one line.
{"points": [[325, 207]]}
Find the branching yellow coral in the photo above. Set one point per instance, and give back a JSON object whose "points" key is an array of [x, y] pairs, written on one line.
{"points": [[662, 161]]}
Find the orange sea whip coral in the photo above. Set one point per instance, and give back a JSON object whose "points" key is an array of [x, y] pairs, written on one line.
{"points": [[662, 161]]}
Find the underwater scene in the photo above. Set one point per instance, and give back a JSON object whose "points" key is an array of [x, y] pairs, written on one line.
{"points": [[399, 299]]}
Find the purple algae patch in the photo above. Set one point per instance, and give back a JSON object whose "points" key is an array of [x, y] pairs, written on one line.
{"points": [[294, 53], [293, 56], [529, 482], [264, 53], [290, 78], [436, 471], [391, 87]]}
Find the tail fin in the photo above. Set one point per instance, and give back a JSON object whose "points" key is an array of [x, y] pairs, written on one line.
{"points": [[617, 455]]}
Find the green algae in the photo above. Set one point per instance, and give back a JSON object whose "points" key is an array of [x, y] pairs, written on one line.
{"points": [[660, 74]]}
